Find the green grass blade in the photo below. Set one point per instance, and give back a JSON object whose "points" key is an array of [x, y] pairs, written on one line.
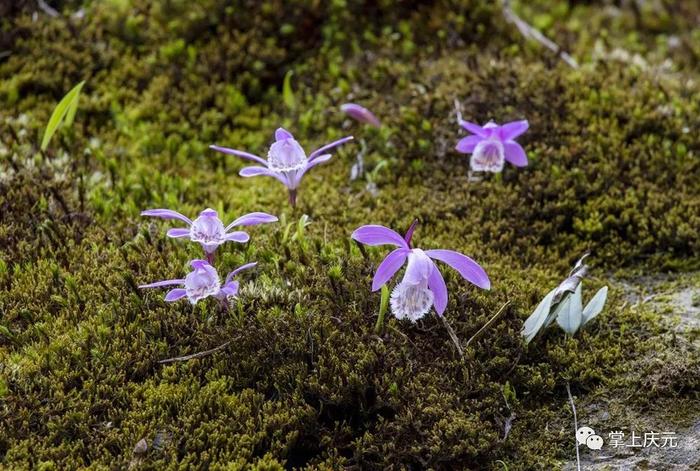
{"points": [[64, 112], [287, 92]]}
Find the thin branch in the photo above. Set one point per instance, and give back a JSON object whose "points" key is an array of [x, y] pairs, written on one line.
{"points": [[532, 33], [487, 325], [196, 355], [573, 408]]}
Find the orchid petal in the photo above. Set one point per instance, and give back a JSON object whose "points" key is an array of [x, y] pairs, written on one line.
{"points": [[467, 144], [388, 268], [166, 214], [282, 134], [230, 289], [240, 269], [473, 128], [175, 294], [199, 264], [514, 153], [419, 267], [360, 113], [211, 247], [209, 213], [436, 284], [468, 268], [318, 160], [256, 171], [239, 153], [252, 219], [176, 233], [333, 144], [238, 236], [158, 284], [513, 129], [373, 234]]}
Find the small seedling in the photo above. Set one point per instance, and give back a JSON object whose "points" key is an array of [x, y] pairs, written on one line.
{"points": [[564, 304]]}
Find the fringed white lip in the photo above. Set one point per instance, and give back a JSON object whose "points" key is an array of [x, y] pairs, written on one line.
{"points": [[488, 156], [208, 230], [411, 301], [286, 156]]}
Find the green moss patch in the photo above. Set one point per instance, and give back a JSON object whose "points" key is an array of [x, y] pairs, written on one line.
{"points": [[305, 381]]}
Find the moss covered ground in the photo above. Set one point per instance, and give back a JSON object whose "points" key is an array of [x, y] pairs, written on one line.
{"points": [[305, 382]]}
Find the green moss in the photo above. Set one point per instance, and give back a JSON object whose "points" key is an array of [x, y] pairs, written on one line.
{"points": [[306, 382]]}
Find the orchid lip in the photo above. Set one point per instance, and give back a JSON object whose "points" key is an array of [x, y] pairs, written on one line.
{"points": [[488, 156], [286, 156], [411, 301]]}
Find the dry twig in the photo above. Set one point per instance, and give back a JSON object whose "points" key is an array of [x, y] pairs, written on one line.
{"points": [[487, 325], [532, 33], [196, 355]]}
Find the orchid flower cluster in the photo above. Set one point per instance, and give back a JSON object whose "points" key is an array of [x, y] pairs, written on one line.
{"points": [[491, 146], [422, 286], [208, 231], [564, 304]]}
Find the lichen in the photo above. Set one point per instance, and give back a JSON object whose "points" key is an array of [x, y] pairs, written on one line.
{"points": [[305, 381]]}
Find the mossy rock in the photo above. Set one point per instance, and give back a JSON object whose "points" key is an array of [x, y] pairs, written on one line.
{"points": [[305, 381]]}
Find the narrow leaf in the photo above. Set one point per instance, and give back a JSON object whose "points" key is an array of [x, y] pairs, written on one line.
{"points": [[383, 306], [72, 109], [570, 313], [554, 310], [64, 112], [287, 92], [595, 305], [534, 323]]}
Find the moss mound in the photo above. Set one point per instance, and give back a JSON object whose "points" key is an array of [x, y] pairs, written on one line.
{"points": [[305, 382]]}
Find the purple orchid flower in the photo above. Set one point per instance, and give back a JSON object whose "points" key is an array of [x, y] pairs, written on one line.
{"points": [[493, 144], [361, 114], [203, 281], [208, 229], [422, 285], [286, 160]]}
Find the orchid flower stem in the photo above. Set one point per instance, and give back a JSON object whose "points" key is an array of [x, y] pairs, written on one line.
{"points": [[573, 409], [486, 326], [293, 198], [453, 337], [210, 258], [383, 306]]}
